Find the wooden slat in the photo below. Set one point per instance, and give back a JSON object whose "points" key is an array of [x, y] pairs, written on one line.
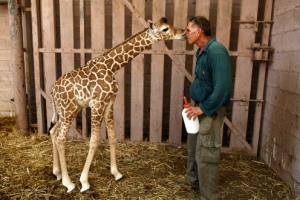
{"points": [[98, 38], [36, 62], [224, 22], [177, 78], [67, 41], [157, 80], [118, 33], [82, 61], [48, 26], [137, 80], [202, 8], [262, 75], [244, 68]]}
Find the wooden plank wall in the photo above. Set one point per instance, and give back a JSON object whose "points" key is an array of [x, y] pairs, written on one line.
{"points": [[45, 59]]}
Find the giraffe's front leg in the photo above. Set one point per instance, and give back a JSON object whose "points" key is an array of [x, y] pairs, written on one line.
{"points": [[112, 143]]}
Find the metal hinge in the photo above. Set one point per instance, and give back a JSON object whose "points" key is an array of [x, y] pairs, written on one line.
{"points": [[261, 53], [255, 23]]}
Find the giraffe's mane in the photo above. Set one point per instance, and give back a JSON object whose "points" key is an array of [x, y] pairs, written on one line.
{"points": [[128, 39]]}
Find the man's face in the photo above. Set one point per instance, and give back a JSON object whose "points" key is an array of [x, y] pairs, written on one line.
{"points": [[192, 33]]}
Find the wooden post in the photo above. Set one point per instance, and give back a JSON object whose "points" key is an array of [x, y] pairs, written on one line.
{"points": [[17, 61]]}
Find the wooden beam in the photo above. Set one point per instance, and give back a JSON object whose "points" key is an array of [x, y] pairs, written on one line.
{"points": [[238, 135]]}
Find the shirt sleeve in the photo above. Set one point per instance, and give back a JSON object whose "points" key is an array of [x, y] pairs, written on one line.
{"points": [[221, 78]]}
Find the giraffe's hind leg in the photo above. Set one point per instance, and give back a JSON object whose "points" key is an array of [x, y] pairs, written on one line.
{"points": [[56, 167], [64, 127], [94, 142], [109, 122]]}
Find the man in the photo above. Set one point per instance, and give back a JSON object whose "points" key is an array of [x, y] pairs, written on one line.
{"points": [[210, 90]]}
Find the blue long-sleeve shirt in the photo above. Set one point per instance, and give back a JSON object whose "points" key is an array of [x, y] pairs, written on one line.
{"points": [[212, 85]]}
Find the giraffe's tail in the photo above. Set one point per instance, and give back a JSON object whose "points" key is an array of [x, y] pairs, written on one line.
{"points": [[52, 123]]}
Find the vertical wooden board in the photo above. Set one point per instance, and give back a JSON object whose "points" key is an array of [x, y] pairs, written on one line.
{"points": [[82, 61], [98, 38], [202, 8], [47, 17], [118, 33], [223, 28], [242, 85], [67, 42], [137, 80], [36, 60], [157, 79], [177, 78], [262, 75], [67, 35]]}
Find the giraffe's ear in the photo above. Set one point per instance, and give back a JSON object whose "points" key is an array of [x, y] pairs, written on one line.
{"points": [[150, 24]]}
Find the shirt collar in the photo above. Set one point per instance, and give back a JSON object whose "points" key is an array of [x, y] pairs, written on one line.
{"points": [[211, 40]]}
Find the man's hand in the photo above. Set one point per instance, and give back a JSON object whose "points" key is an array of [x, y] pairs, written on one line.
{"points": [[193, 112]]}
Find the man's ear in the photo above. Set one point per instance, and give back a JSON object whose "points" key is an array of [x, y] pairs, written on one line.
{"points": [[150, 24]]}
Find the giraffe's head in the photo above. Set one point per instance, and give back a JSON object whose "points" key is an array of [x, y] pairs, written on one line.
{"points": [[161, 30]]}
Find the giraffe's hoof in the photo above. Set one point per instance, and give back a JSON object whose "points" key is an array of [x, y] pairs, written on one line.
{"points": [[85, 187], [70, 187], [58, 177], [118, 176]]}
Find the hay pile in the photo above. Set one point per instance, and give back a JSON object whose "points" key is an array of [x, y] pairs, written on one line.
{"points": [[149, 171]]}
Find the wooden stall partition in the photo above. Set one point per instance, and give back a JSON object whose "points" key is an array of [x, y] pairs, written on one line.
{"points": [[157, 80], [137, 80], [177, 78], [45, 50], [118, 28], [244, 68]]}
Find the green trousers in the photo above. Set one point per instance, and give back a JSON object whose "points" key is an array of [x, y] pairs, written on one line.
{"points": [[204, 150]]}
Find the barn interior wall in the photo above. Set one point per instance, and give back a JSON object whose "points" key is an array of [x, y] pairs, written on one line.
{"points": [[6, 76], [280, 136]]}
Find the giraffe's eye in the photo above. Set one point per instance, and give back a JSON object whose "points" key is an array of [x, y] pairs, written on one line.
{"points": [[165, 29]]}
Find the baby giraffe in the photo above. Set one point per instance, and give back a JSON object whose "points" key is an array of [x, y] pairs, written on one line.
{"points": [[94, 85]]}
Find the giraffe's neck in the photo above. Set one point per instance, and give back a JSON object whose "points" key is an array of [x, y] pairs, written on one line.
{"points": [[120, 55]]}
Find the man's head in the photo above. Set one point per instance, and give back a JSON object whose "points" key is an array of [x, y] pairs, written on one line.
{"points": [[198, 27]]}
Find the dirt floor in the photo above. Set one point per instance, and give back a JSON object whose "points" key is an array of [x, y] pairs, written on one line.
{"points": [[149, 170]]}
